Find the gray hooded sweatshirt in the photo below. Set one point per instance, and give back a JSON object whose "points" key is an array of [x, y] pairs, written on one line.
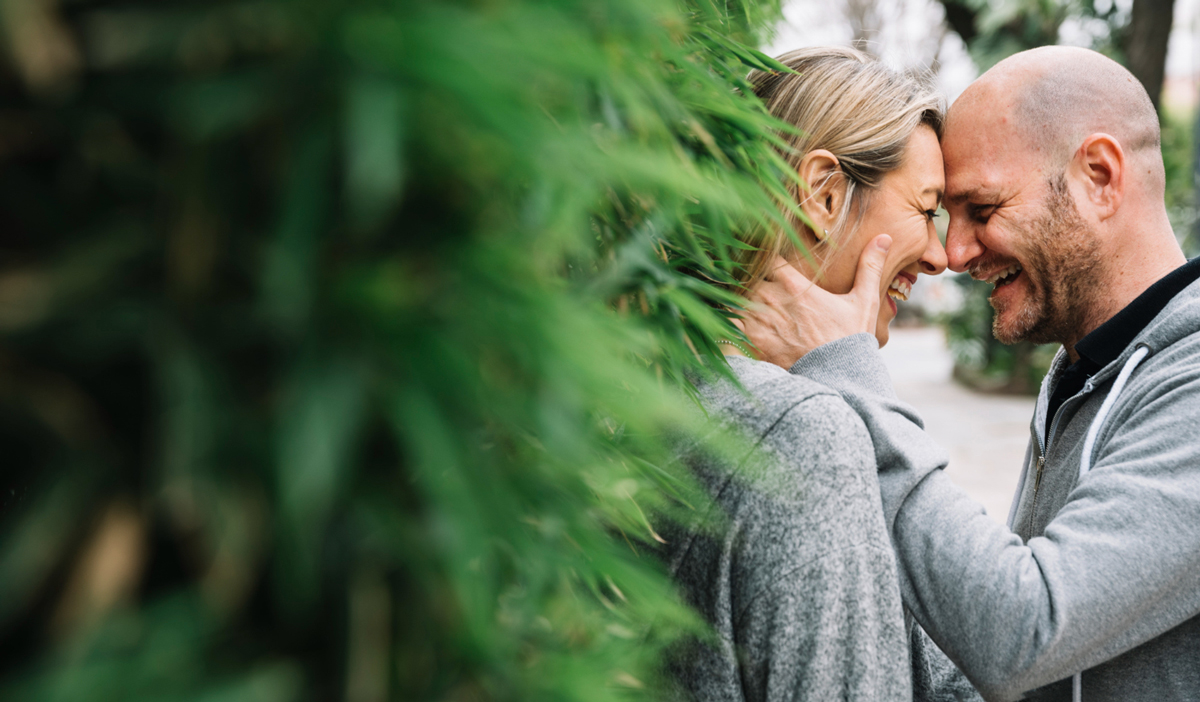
{"points": [[1099, 572], [792, 566]]}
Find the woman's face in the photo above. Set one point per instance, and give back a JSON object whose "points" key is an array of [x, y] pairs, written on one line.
{"points": [[902, 206]]}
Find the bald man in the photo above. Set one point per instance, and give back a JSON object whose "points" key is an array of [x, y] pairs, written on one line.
{"points": [[1054, 185]]}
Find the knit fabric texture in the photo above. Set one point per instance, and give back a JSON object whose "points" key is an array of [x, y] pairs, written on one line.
{"points": [[791, 563]]}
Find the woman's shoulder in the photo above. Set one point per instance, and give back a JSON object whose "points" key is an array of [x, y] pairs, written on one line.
{"points": [[767, 393], [811, 485]]}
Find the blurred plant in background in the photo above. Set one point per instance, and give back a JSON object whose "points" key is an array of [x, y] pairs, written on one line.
{"points": [[339, 342], [1179, 126]]}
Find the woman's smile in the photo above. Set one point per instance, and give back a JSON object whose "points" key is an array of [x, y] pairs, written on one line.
{"points": [[903, 206]]}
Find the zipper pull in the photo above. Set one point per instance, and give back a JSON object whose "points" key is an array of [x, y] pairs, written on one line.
{"points": [[1037, 480]]}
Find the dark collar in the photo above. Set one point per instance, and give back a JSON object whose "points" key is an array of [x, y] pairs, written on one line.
{"points": [[1106, 342]]}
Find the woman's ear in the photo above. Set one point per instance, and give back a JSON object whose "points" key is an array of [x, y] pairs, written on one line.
{"points": [[822, 201]]}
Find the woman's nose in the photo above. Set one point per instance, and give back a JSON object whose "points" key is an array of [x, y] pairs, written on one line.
{"points": [[933, 260]]}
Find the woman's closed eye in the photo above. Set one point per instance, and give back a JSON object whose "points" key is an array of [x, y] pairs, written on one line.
{"points": [[931, 214]]}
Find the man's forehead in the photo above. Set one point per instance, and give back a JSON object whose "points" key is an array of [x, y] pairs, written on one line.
{"points": [[981, 160], [971, 130], [992, 181], [976, 173]]}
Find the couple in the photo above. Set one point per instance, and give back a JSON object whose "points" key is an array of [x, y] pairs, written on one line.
{"points": [[842, 553]]}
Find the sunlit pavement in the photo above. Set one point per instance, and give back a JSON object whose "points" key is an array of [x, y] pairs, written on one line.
{"points": [[985, 434]]}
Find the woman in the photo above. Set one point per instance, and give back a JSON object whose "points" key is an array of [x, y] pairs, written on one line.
{"points": [[793, 568]]}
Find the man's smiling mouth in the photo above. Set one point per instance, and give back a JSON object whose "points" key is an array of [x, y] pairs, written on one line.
{"points": [[1003, 276]]}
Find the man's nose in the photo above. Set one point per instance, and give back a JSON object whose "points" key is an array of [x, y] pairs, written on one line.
{"points": [[962, 246]]}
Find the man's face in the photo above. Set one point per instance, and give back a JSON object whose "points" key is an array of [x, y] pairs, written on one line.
{"points": [[1015, 225]]}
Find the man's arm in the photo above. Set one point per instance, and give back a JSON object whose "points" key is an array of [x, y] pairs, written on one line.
{"points": [[1115, 568]]}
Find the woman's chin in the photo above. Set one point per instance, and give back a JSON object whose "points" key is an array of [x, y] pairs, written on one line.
{"points": [[887, 313]]}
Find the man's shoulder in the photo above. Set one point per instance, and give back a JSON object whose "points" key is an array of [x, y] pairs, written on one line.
{"points": [[1176, 327], [1172, 363]]}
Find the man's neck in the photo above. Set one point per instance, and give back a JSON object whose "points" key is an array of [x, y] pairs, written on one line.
{"points": [[1126, 278]]}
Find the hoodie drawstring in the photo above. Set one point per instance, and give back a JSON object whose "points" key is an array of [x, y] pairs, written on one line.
{"points": [[1085, 461]]}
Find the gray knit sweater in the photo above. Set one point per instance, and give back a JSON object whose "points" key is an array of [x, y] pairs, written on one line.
{"points": [[792, 566]]}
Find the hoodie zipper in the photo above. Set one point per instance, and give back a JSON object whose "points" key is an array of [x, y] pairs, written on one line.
{"points": [[1037, 482], [1044, 446]]}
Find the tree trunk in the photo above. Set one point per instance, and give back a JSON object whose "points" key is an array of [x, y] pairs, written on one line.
{"points": [[961, 18], [1146, 43]]}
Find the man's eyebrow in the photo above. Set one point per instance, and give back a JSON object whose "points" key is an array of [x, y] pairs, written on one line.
{"points": [[978, 194]]}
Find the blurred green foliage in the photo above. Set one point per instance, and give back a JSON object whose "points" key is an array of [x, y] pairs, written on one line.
{"points": [[339, 342], [993, 31], [1179, 158]]}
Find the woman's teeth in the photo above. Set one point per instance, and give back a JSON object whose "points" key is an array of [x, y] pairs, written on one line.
{"points": [[899, 289], [999, 276]]}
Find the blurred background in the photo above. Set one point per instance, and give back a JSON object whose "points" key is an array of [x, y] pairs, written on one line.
{"points": [[344, 346]]}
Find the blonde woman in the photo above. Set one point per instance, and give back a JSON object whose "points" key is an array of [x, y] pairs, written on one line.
{"points": [[797, 575]]}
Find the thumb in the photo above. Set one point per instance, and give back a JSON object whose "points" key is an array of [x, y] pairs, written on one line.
{"points": [[868, 277]]}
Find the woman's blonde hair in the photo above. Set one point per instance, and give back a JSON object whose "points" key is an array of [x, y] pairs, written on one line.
{"points": [[853, 106]]}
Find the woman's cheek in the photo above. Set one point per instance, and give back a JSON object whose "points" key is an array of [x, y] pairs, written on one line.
{"points": [[909, 242]]}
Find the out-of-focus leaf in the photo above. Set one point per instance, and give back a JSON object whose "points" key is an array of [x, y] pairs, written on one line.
{"points": [[378, 323], [374, 149]]}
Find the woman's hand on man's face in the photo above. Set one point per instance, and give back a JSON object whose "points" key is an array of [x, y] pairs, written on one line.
{"points": [[789, 315]]}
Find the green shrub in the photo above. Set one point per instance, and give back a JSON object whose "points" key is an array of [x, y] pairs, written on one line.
{"points": [[339, 341], [1179, 159]]}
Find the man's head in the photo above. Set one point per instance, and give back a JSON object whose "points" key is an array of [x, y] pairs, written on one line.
{"points": [[1052, 158]]}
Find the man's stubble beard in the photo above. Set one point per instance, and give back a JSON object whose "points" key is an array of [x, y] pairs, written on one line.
{"points": [[1063, 252]]}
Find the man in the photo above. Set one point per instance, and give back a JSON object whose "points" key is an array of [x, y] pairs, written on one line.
{"points": [[1054, 185]]}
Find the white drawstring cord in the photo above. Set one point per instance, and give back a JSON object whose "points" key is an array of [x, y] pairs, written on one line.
{"points": [[1085, 461]]}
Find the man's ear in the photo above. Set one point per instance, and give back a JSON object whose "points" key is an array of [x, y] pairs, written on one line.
{"points": [[1099, 168], [823, 199]]}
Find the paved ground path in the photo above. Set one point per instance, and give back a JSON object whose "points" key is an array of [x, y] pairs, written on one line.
{"points": [[985, 434]]}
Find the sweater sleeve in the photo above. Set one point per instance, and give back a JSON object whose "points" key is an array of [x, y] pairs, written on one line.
{"points": [[1115, 567], [817, 611], [853, 367]]}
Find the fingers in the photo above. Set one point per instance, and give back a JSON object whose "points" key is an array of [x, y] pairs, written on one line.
{"points": [[867, 280], [868, 277], [785, 274]]}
